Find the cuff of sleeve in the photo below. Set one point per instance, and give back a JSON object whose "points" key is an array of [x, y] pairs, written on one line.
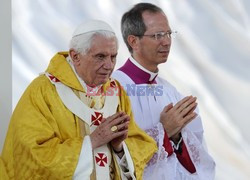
{"points": [[167, 144], [178, 145], [85, 164], [126, 164], [184, 158]]}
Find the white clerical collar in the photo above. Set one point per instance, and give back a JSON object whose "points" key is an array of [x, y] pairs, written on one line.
{"points": [[84, 85], [152, 74]]}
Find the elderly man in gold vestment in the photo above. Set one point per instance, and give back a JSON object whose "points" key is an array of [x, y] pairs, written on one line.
{"points": [[74, 121]]}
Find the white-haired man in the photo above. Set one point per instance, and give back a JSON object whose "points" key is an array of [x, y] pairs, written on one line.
{"points": [[73, 121]]}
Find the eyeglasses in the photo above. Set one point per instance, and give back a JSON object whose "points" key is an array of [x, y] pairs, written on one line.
{"points": [[161, 35]]}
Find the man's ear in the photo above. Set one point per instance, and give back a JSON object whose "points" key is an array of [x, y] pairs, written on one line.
{"points": [[133, 42], [74, 56]]}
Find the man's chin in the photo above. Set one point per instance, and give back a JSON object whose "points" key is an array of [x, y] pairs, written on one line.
{"points": [[162, 60], [103, 81]]}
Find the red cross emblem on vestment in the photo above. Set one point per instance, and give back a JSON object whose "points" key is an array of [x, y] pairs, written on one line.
{"points": [[53, 78], [97, 118], [101, 159], [112, 84]]}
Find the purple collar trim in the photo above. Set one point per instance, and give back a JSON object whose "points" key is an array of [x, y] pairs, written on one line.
{"points": [[136, 74]]}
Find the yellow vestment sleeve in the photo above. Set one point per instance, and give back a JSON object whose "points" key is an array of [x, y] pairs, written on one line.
{"points": [[3, 173], [43, 140]]}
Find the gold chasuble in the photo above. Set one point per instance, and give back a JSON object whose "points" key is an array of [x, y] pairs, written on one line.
{"points": [[45, 137]]}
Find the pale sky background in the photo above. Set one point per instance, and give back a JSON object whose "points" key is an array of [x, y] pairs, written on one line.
{"points": [[210, 58]]}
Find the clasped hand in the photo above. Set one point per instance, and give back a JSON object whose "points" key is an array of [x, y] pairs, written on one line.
{"points": [[103, 134], [174, 118]]}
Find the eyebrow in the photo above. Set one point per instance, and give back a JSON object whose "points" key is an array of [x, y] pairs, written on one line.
{"points": [[104, 54], [164, 31]]}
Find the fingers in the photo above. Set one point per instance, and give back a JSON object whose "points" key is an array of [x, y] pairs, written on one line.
{"points": [[184, 106], [123, 133], [114, 116], [120, 120], [174, 118], [123, 126], [189, 109], [168, 107], [177, 106], [189, 118], [115, 126]]}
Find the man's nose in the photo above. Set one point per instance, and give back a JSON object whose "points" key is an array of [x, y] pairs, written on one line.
{"points": [[108, 64], [166, 41]]}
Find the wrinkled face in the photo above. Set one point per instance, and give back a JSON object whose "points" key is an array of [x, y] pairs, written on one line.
{"points": [[152, 51], [96, 66]]}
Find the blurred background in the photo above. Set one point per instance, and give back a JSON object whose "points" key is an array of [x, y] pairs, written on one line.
{"points": [[210, 58]]}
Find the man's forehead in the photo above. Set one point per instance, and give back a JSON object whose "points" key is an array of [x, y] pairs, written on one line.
{"points": [[156, 21], [106, 50], [104, 42], [149, 17]]}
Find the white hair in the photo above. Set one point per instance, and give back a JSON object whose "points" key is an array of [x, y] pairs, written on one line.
{"points": [[83, 42]]}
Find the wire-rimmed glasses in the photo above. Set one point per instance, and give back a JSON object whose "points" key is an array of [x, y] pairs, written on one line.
{"points": [[158, 36]]}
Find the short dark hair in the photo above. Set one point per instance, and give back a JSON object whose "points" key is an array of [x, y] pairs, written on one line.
{"points": [[132, 22]]}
